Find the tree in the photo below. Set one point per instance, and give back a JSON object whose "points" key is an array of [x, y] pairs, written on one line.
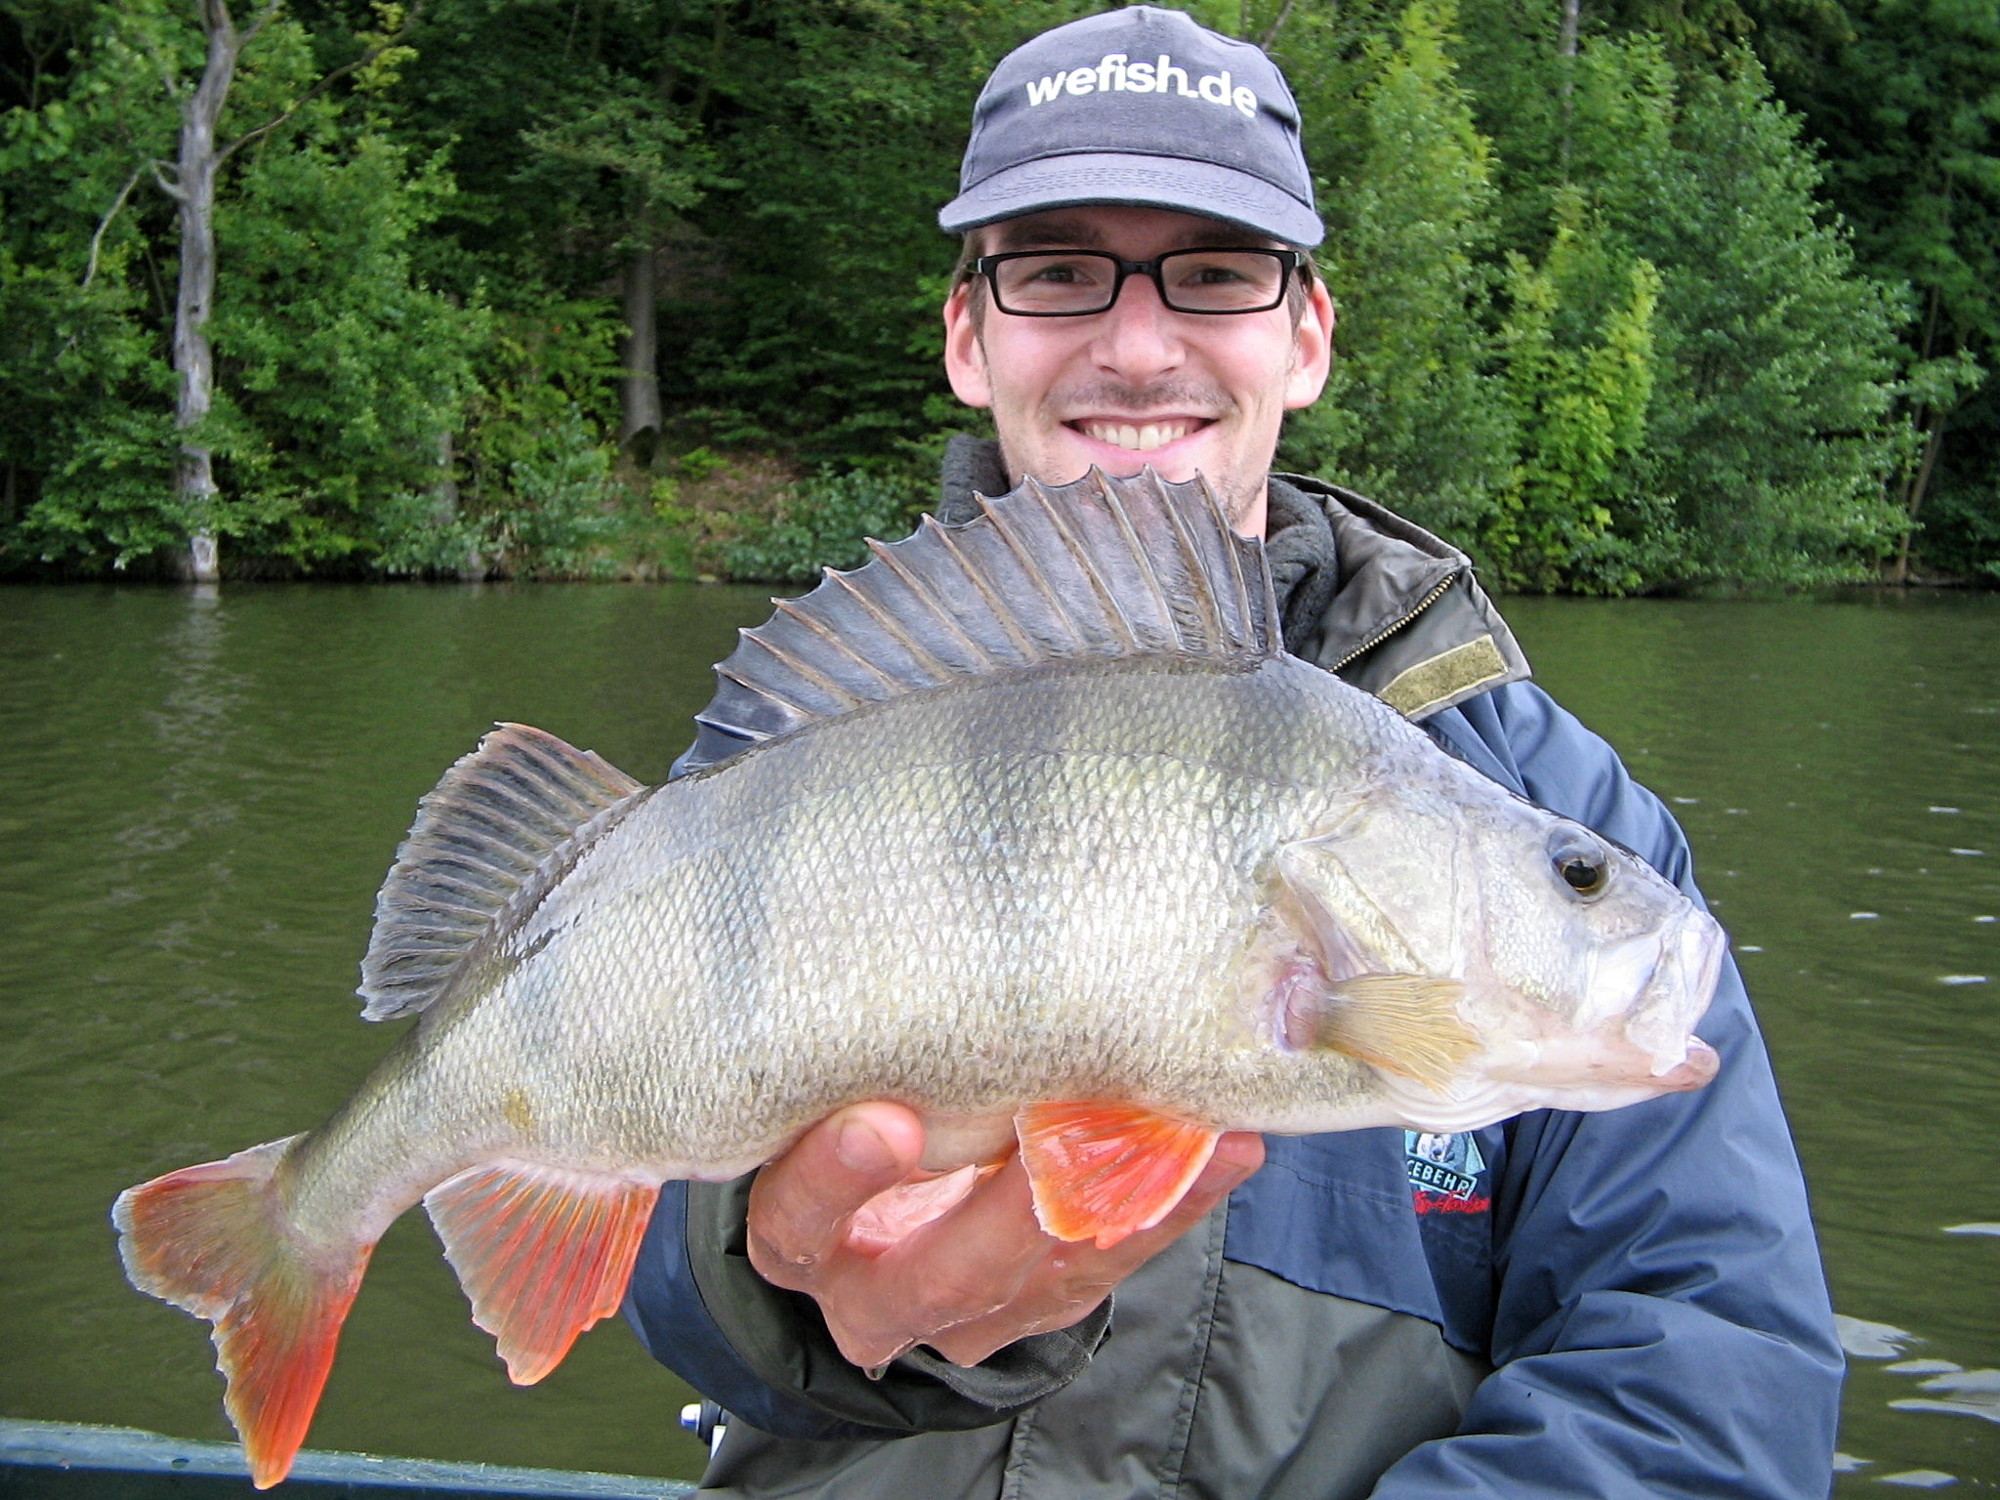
{"points": [[1578, 342], [1904, 97], [1775, 428], [625, 157], [310, 381], [1409, 415], [191, 182], [84, 381], [1771, 429]]}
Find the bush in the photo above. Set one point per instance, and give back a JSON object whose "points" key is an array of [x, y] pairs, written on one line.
{"points": [[825, 523]]}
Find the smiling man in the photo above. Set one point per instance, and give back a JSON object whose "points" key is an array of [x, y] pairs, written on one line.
{"points": [[1121, 336], [1613, 1304]]}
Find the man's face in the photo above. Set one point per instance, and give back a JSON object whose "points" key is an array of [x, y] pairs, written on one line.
{"points": [[1138, 384]]}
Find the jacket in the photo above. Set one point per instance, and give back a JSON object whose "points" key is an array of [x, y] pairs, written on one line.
{"points": [[1563, 1304]]}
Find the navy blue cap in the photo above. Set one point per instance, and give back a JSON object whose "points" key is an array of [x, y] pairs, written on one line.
{"points": [[1138, 106]]}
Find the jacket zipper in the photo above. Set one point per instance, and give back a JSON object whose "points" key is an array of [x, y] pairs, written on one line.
{"points": [[1436, 593]]}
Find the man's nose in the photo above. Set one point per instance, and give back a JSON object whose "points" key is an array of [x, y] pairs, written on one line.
{"points": [[1138, 336]]}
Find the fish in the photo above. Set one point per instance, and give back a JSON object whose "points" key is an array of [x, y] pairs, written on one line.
{"points": [[1032, 825]]}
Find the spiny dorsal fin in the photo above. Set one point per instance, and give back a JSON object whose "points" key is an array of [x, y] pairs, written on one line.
{"points": [[503, 820], [1099, 568]]}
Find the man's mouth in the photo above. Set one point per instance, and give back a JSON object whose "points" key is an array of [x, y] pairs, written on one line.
{"points": [[1138, 437]]}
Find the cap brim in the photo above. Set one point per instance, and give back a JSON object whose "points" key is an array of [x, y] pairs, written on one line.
{"points": [[1172, 183]]}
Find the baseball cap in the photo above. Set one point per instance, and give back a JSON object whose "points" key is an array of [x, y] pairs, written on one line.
{"points": [[1139, 106]]}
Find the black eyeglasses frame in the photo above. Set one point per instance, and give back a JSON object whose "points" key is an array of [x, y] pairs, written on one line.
{"points": [[1292, 260]]}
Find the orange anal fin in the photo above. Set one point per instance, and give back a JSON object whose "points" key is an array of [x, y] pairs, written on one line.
{"points": [[1106, 1171], [542, 1252], [213, 1240]]}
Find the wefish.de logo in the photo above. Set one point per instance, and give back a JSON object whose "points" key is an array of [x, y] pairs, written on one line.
{"points": [[1116, 74]]}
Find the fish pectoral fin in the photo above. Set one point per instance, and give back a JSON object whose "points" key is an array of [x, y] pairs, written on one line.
{"points": [[542, 1252], [214, 1240], [1106, 1171], [1402, 1023]]}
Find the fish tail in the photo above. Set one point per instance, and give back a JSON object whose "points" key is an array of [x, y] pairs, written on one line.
{"points": [[216, 1241]]}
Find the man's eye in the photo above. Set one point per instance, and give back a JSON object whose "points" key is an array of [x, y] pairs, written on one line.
{"points": [[1060, 272], [1211, 273]]}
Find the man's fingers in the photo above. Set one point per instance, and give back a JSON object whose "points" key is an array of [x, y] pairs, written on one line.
{"points": [[801, 1203], [972, 1260], [1238, 1155], [1072, 1278], [964, 1267], [979, 1275]]}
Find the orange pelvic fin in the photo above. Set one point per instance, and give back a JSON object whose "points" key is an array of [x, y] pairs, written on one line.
{"points": [[542, 1252], [213, 1240], [1106, 1171]]}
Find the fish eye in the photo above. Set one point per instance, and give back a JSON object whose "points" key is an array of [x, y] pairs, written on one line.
{"points": [[1581, 862]]}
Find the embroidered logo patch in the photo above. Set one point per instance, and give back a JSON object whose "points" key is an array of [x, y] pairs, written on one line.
{"points": [[1447, 1165]]}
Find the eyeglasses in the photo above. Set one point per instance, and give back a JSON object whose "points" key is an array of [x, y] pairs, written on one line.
{"points": [[1076, 283]]}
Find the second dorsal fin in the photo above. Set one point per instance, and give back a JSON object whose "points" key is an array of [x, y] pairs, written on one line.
{"points": [[495, 829], [1102, 567]]}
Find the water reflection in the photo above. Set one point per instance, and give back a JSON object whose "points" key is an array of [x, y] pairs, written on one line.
{"points": [[1855, 743], [201, 795], [1953, 1389], [200, 798]]}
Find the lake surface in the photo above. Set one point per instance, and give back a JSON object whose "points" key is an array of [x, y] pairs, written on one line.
{"points": [[200, 795]]}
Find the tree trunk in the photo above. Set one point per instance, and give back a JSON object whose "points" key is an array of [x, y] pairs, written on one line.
{"points": [[639, 360], [1572, 23], [194, 361], [1915, 488], [1911, 497]]}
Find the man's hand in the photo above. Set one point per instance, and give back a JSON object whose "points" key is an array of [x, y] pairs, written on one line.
{"points": [[847, 1215]]}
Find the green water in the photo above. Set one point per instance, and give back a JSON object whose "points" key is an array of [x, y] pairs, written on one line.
{"points": [[199, 796]]}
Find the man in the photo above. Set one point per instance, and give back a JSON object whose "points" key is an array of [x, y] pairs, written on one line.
{"points": [[1617, 1304]]}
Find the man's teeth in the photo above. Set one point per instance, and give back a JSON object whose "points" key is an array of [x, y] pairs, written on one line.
{"points": [[1138, 439]]}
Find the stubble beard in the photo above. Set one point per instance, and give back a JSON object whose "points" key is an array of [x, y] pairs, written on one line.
{"points": [[1237, 494]]}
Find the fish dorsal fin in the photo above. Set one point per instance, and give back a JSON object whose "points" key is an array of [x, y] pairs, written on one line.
{"points": [[503, 821], [1099, 568]]}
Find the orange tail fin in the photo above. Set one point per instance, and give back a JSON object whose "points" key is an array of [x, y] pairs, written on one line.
{"points": [[213, 1241]]}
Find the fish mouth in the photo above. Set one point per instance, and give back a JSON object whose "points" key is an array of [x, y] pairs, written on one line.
{"points": [[1653, 988], [1680, 988], [1580, 1069], [1634, 1038]]}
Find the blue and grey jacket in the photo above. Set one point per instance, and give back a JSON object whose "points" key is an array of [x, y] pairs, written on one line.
{"points": [[1628, 1303]]}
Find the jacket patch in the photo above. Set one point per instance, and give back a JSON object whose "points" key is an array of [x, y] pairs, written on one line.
{"points": [[1446, 677], [1443, 1172]]}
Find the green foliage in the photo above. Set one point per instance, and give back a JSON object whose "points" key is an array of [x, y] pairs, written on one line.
{"points": [[341, 374], [1574, 514], [1774, 428], [1598, 324], [87, 449], [825, 523], [1409, 415], [337, 373], [1905, 101], [1771, 429]]}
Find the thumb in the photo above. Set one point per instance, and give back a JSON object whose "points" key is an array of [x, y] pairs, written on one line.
{"points": [[801, 1202]]}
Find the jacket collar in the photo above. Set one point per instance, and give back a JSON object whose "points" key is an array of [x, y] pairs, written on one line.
{"points": [[1362, 592]]}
